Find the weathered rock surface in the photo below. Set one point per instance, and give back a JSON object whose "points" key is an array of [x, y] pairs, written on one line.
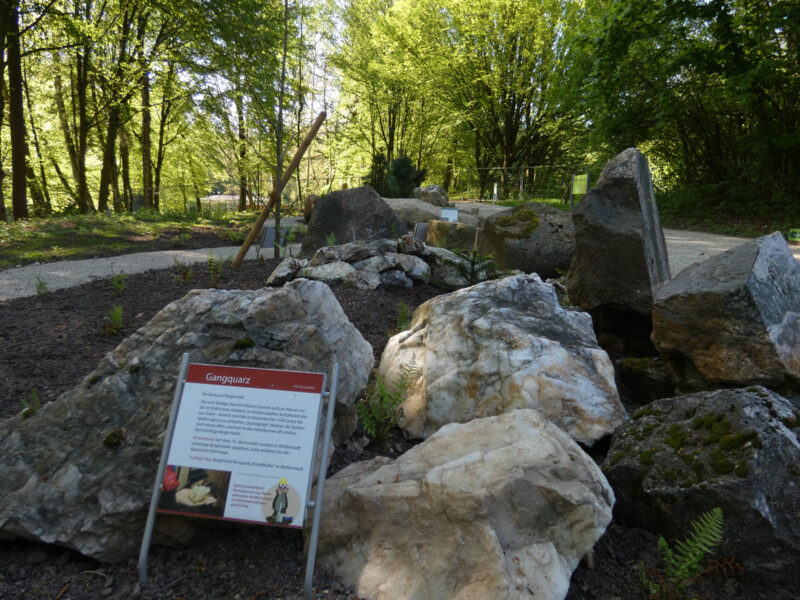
{"points": [[734, 318], [737, 449], [534, 238], [620, 252], [64, 483], [350, 215], [412, 210], [498, 508], [286, 270], [450, 235], [501, 345], [432, 194]]}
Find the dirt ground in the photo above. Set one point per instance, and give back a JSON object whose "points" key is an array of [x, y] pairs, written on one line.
{"points": [[49, 342]]}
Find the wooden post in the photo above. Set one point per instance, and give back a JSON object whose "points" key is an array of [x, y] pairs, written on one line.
{"points": [[276, 193]]}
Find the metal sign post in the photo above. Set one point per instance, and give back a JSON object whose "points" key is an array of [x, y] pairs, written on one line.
{"points": [[162, 465]]}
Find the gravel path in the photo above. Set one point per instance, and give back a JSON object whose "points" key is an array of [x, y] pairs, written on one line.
{"points": [[684, 247]]}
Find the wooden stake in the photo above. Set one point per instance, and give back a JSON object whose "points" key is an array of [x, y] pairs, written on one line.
{"points": [[275, 194]]}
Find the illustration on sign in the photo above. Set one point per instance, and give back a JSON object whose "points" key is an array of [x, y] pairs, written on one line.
{"points": [[243, 445]]}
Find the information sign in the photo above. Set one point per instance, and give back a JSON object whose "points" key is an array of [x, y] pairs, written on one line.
{"points": [[450, 215], [243, 445], [579, 184]]}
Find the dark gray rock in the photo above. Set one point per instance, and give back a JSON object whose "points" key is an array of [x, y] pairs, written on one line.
{"points": [[432, 194], [737, 449], [350, 215], [534, 238], [734, 319], [620, 252], [64, 483]]}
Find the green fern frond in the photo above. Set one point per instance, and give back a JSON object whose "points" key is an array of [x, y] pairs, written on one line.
{"points": [[684, 562]]}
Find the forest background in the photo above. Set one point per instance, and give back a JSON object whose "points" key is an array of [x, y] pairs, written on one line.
{"points": [[120, 105]]}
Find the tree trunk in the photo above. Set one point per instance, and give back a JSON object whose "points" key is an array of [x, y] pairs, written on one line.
{"points": [[147, 174], [69, 142], [124, 157], [16, 118], [3, 30], [242, 135], [85, 204], [107, 173], [42, 204]]}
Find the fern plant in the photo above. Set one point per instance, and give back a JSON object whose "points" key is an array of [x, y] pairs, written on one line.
{"points": [[682, 564], [380, 410]]}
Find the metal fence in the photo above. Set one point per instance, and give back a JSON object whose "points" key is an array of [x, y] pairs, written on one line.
{"points": [[552, 182]]}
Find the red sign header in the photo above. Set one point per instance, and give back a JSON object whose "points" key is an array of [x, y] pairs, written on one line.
{"points": [[290, 381]]}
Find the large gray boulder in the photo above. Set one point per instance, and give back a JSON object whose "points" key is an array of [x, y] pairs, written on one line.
{"points": [[737, 449], [432, 194], [532, 237], [350, 215], [79, 471], [502, 345], [496, 509], [620, 252], [734, 318]]}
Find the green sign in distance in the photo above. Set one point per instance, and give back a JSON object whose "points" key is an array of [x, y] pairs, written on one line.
{"points": [[580, 183], [794, 236]]}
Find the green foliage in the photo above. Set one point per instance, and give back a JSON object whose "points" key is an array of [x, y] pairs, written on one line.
{"points": [[214, 269], [682, 564], [401, 178], [376, 178], [380, 411], [41, 286], [330, 239], [474, 267], [119, 282], [184, 272], [32, 406], [114, 320], [403, 318]]}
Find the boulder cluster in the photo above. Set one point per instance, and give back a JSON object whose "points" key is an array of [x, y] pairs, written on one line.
{"points": [[513, 387]]}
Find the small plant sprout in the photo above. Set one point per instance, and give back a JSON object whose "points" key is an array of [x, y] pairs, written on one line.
{"points": [[380, 411], [682, 564], [330, 239], [185, 272], [119, 282], [32, 406], [41, 286], [214, 269], [114, 320], [403, 318]]}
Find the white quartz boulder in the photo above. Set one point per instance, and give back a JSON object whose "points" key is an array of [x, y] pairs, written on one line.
{"points": [[498, 508], [501, 345]]}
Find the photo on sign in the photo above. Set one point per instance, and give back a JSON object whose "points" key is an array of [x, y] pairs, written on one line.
{"points": [[281, 503], [194, 491]]}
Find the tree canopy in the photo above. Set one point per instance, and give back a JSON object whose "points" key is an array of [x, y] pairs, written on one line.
{"points": [[123, 104]]}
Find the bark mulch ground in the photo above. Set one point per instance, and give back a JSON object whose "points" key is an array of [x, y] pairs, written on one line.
{"points": [[49, 342]]}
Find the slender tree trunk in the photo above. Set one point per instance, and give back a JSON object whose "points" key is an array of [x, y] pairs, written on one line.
{"points": [[41, 199], [85, 203], [166, 109], [107, 173], [61, 110], [279, 126], [3, 30], [16, 118], [147, 174], [242, 158], [124, 156]]}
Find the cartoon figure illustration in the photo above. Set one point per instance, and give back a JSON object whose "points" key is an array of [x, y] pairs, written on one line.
{"points": [[280, 503]]}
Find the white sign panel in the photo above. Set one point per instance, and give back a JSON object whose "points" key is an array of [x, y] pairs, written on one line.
{"points": [[450, 214], [243, 445]]}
